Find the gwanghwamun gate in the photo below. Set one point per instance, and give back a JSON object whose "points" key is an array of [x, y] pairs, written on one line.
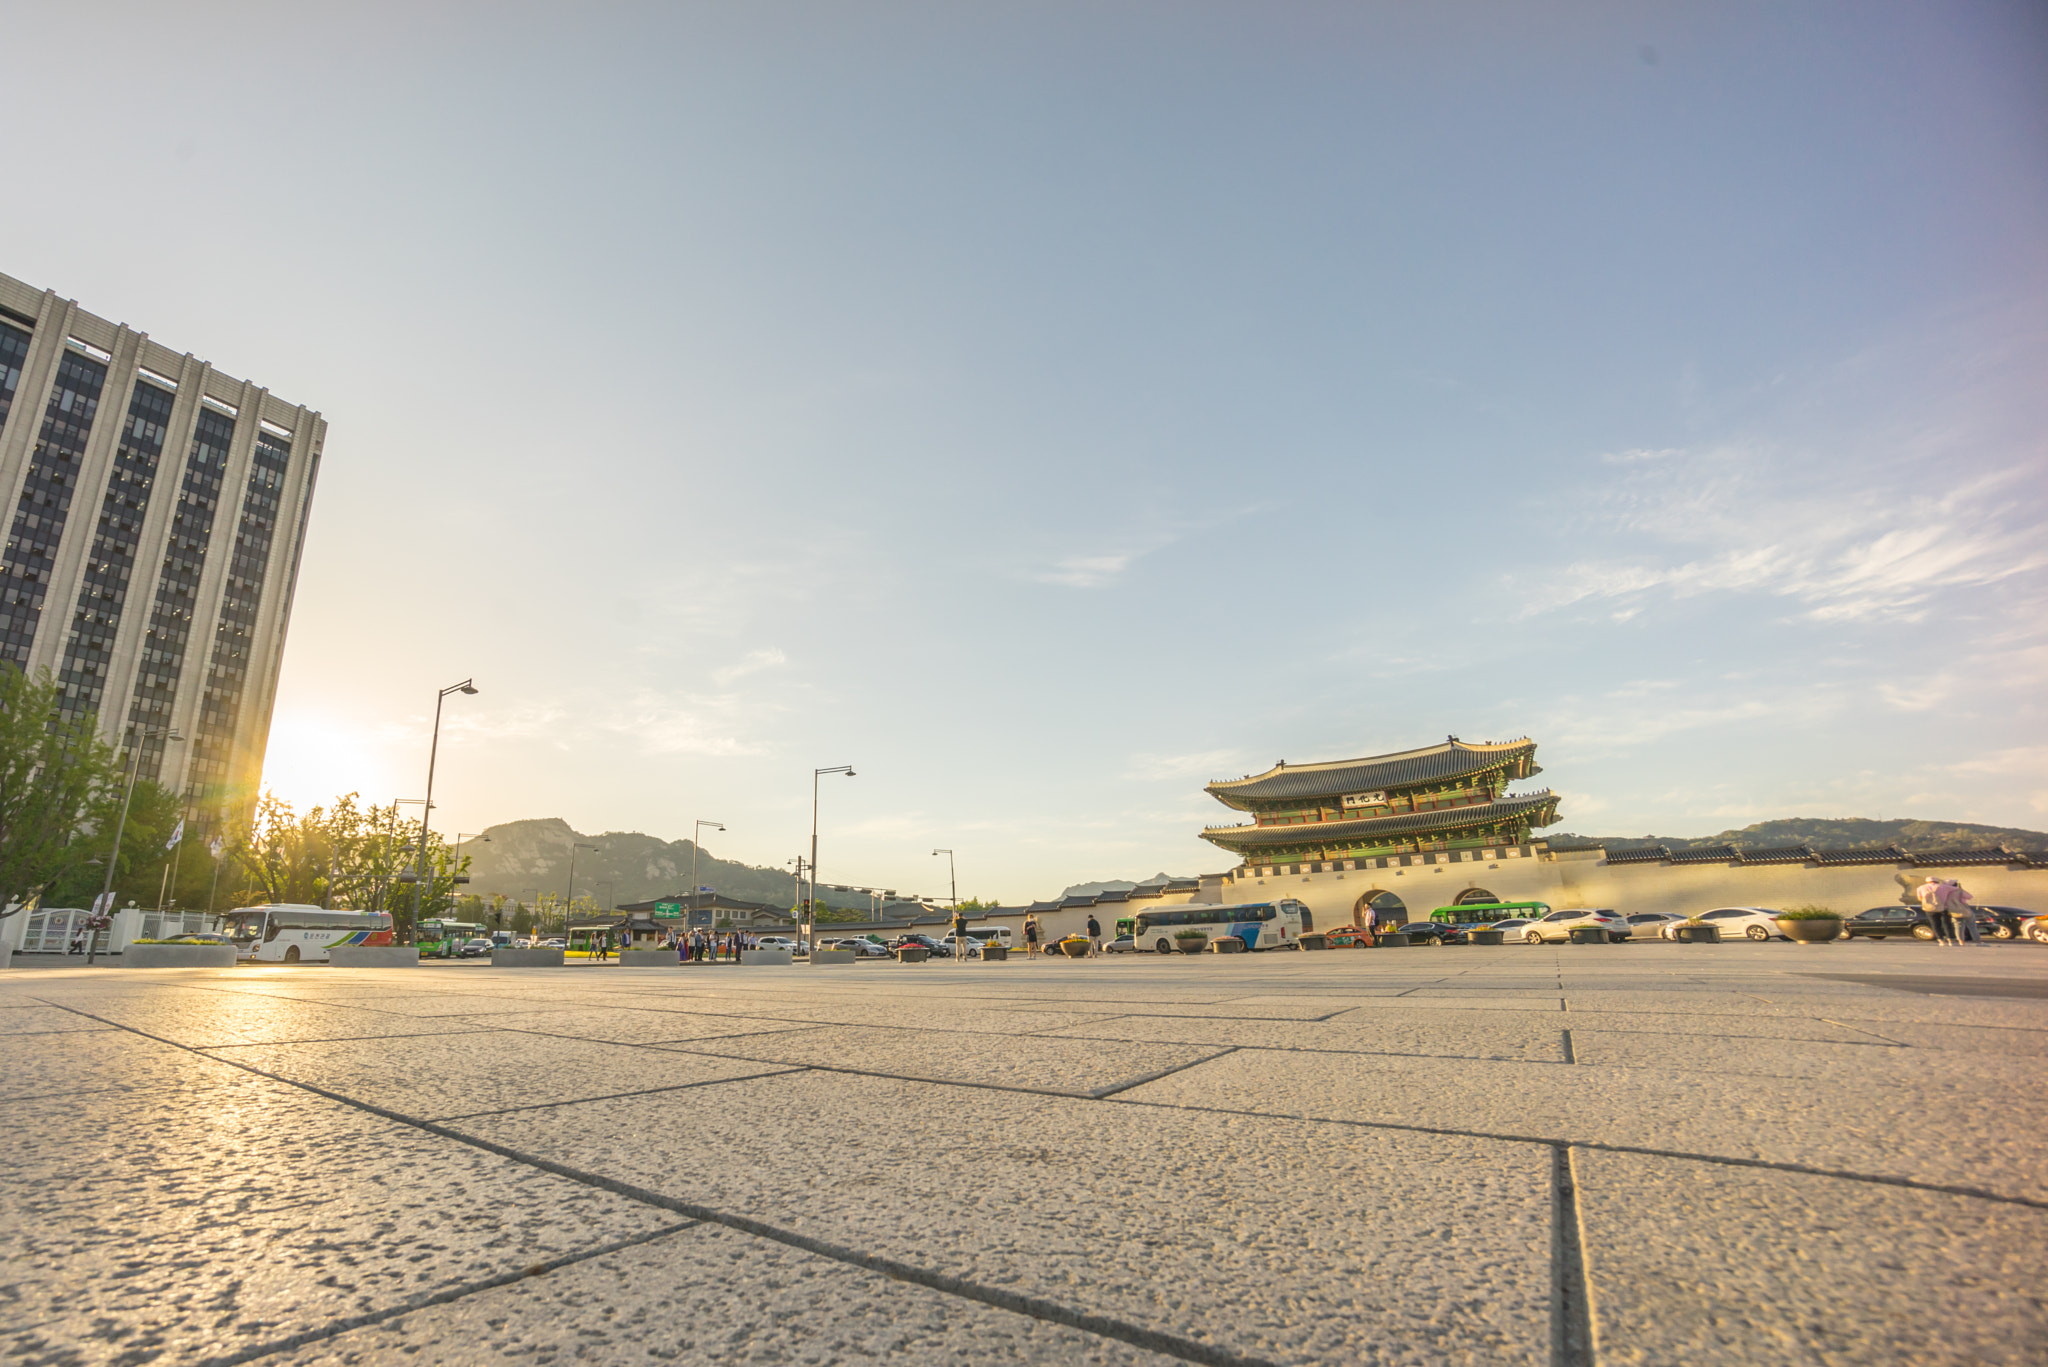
{"points": [[1410, 832]]}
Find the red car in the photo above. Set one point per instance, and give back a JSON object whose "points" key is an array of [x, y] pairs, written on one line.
{"points": [[1351, 937]]}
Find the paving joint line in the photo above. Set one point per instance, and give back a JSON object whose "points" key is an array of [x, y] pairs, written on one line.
{"points": [[616, 1096], [448, 1296], [1602, 1146], [1571, 1320], [1032, 1307], [1104, 1093]]}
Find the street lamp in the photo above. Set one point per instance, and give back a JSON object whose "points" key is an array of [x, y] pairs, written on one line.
{"points": [[459, 876], [419, 867], [695, 840], [816, 774], [952, 875], [105, 905]]}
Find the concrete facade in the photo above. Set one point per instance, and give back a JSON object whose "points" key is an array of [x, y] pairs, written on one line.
{"points": [[104, 575]]}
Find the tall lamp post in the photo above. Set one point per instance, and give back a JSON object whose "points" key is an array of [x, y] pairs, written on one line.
{"points": [[695, 841], [419, 867], [569, 899], [816, 774], [952, 875], [105, 905]]}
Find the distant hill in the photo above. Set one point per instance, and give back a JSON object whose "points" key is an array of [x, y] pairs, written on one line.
{"points": [[1839, 833], [519, 857]]}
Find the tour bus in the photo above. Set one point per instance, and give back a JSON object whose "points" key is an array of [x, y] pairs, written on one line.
{"points": [[1488, 912], [287, 933], [1261, 925], [438, 939]]}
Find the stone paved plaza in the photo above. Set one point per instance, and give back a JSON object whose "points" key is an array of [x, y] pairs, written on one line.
{"points": [[1613, 1154]]}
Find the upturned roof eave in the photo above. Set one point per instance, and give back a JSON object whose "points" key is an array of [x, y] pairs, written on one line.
{"points": [[1327, 832], [1333, 778]]}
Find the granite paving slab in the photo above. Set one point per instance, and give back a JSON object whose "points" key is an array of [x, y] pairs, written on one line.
{"points": [[1848, 1065], [1047, 1063], [710, 1294], [69, 1061], [32, 1018], [1286, 1241], [1692, 1262], [1536, 1037], [203, 1018], [624, 1024], [164, 1226], [462, 1074], [1783, 1120]]}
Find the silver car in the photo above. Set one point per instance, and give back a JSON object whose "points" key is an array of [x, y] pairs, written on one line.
{"points": [[1559, 925], [1649, 925], [1756, 923]]}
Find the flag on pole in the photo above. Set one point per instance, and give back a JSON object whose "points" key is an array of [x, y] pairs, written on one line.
{"points": [[177, 835]]}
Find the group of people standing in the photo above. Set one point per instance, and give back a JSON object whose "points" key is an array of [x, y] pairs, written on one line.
{"points": [[1035, 941], [1948, 909]]}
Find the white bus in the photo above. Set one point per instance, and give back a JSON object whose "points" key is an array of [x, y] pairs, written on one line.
{"points": [[286, 933], [1261, 925]]}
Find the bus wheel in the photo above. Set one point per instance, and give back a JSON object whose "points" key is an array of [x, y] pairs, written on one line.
{"points": [[291, 954], [1163, 947]]}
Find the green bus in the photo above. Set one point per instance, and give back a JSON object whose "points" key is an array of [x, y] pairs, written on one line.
{"points": [[438, 939], [1470, 913]]}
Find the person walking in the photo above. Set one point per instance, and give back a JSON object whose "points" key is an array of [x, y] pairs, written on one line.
{"points": [[1934, 903], [1960, 912], [1094, 936]]}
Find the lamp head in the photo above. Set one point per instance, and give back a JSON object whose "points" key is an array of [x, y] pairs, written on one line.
{"points": [[469, 689]]}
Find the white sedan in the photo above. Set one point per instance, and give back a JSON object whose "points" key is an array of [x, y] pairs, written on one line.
{"points": [[1559, 925], [1649, 925], [1757, 923]]}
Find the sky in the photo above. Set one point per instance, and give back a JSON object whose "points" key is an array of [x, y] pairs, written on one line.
{"points": [[1049, 408]]}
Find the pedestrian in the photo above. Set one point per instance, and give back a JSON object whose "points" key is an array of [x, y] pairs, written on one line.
{"points": [[1961, 912], [1094, 936], [960, 934], [1935, 905], [682, 949], [1030, 936]]}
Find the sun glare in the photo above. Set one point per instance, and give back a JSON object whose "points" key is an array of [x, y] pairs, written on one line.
{"points": [[314, 758]]}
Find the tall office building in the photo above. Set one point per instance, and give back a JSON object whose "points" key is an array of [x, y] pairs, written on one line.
{"points": [[157, 510]]}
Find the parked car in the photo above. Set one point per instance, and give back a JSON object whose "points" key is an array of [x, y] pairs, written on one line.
{"points": [[1757, 923], [474, 949], [557, 943], [973, 947], [775, 942], [918, 940], [1510, 929], [2004, 923], [1122, 944], [1350, 937], [1880, 923], [2035, 928], [1648, 925], [1559, 925], [866, 948]]}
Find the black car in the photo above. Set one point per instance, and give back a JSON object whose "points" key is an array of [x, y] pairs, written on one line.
{"points": [[1881, 923], [1432, 933], [2003, 923], [938, 950]]}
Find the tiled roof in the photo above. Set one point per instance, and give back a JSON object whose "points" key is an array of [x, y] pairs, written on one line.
{"points": [[1571, 846], [1078, 902], [1371, 828], [1711, 854], [1994, 854], [1432, 764], [1654, 854], [1884, 854], [1778, 854]]}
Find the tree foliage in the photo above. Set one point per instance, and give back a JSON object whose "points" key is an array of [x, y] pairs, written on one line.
{"points": [[342, 854], [60, 800]]}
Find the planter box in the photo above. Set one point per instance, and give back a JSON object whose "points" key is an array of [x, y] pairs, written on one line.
{"points": [[1589, 935], [1810, 932], [649, 958], [1074, 949], [1395, 940], [1314, 941], [994, 954], [1192, 946], [912, 954], [172, 956], [375, 956], [765, 958], [1699, 935], [1488, 937], [1226, 944], [822, 957], [527, 958]]}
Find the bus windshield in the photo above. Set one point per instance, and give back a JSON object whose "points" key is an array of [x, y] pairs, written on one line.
{"points": [[243, 925]]}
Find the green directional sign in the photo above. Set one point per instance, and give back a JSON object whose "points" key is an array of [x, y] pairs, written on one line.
{"points": [[668, 910]]}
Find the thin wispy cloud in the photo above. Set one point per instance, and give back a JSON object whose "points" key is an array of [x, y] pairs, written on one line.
{"points": [[1086, 571], [753, 662]]}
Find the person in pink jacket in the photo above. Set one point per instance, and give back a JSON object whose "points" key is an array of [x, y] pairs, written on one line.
{"points": [[1957, 903], [1932, 902]]}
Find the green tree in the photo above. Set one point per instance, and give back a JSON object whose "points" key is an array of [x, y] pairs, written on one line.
{"points": [[343, 855], [60, 795]]}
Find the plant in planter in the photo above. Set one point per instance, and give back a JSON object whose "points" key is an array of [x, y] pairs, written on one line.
{"points": [[1190, 941], [1809, 925]]}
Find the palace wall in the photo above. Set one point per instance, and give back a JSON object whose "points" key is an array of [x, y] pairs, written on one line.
{"points": [[1585, 879]]}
